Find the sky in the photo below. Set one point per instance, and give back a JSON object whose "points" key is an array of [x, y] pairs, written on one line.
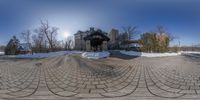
{"points": [[181, 18]]}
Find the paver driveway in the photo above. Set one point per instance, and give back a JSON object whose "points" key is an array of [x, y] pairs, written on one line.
{"points": [[71, 77]]}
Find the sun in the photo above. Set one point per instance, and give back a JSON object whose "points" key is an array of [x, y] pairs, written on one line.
{"points": [[66, 34]]}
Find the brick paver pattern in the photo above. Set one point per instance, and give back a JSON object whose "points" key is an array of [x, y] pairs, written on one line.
{"points": [[71, 76]]}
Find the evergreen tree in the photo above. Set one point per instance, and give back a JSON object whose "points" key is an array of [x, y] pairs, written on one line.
{"points": [[12, 46]]}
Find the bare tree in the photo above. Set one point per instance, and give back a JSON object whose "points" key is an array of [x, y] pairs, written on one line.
{"points": [[69, 43], [130, 33], [63, 44], [26, 36], [58, 45], [161, 30], [39, 41], [2, 48], [49, 32]]}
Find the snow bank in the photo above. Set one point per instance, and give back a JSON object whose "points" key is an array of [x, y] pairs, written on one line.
{"points": [[42, 55], [95, 55], [1, 53], [160, 54], [189, 52], [142, 54]]}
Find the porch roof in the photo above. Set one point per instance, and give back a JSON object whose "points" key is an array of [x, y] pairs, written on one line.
{"points": [[97, 33]]}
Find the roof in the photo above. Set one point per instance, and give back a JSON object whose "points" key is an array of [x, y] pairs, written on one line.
{"points": [[85, 32], [131, 41], [97, 33], [25, 47]]}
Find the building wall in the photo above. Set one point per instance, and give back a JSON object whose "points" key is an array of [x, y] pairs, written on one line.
{"points": [[79, 41], [88, 46], [113, 36]]}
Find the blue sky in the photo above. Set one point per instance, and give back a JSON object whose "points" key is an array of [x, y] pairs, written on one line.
{"points": [[180, 17]]}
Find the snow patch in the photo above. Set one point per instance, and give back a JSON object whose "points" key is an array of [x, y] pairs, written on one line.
{"points": [[1, 53], [42, 55], [143, 54], [95, 55]]}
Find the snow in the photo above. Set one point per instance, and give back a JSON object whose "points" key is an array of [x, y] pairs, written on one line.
{"points": [[42, 55], [1, 53], [190, 52], [95, 55], [143, 54]]}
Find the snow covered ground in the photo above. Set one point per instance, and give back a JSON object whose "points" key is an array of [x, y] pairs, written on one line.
{"points": [[143, 54], [190, 52], [95, 55], [42, 55], [1, 53]]}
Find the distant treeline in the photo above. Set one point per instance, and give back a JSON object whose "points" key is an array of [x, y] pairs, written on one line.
{"points": [[190, 48], [184, 48], [2, 48]]}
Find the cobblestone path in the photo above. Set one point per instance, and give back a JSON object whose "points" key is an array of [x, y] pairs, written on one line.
{"points": [[71, 77]]}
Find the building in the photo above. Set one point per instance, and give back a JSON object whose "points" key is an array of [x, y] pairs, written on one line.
{"points": [[96, 41], [24, 48], [113, 35], [80, 43], [114, 42], [131, 45], [91, 40]]}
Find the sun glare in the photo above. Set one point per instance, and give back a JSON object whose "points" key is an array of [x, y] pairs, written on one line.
{"points": [[65, 34]]}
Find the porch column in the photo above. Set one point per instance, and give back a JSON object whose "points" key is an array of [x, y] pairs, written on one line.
{"points": [[105, 45]]}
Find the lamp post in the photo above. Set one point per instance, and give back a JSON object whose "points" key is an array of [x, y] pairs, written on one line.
{"points": [[81, 41], [179, 45]]}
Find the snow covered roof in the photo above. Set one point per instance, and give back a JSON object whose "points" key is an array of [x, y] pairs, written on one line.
{"points": [[25, 47], [135, 45]]}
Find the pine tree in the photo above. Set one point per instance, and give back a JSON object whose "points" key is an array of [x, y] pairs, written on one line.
{"points": [[12, 46]]}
